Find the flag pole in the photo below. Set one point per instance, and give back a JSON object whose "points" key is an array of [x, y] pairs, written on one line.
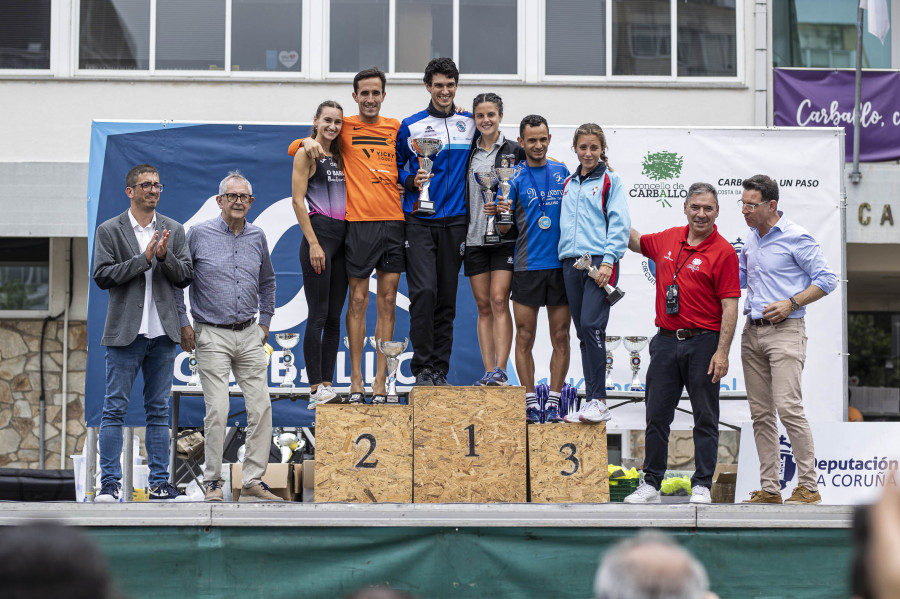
{"points": [[855, 175]]}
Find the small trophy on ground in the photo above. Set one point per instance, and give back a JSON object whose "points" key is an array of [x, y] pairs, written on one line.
{"points": [[195, 371], [635, 345], [486, 179], [613, 294], [392, 351], [287, 341], [505, 173], [612, 343], [425, 148]]}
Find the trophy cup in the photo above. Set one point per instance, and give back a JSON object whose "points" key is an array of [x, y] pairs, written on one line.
{"points": [[425, 148], [635, 345], [392, 351], [613, 294], [612, 343], [287, 341], [195, 371], [486, 180], [505, 173]]}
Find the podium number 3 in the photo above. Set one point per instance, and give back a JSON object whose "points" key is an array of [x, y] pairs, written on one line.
{"points": [[371, 439], [569, 458]]}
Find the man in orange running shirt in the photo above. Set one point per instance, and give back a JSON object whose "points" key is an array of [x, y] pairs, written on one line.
{"points": [[375, 222]]}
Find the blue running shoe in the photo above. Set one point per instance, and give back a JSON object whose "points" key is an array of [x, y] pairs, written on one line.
{"points": [[532, 415], [166, 492], [485, 380], [499, 378], [552, 414], [109, 493]]}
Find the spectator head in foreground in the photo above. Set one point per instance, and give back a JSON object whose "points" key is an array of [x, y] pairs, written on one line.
{"points": [[650, 566]]}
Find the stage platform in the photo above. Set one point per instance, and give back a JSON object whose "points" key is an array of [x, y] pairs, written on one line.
{"points": [[320, 550]]}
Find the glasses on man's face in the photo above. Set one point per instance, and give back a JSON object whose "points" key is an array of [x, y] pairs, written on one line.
{"points": [[745, 207], [237, 198], [147, 186]]}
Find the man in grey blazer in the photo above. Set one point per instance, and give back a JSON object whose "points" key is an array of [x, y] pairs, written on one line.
{"points": [[140, 256]]}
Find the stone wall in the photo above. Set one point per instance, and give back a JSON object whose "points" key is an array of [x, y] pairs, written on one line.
{"points": [[20, 391]]}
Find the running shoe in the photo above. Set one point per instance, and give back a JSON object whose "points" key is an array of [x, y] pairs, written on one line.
{"points": [[532, 415], [644, 494], [595, 411], [499, 378], [321, 395], [109, 493], [166, 492], [700, 494], [485, 380], [551, 414]]}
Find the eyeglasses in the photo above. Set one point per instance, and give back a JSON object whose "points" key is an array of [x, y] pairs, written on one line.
{"points": [[745, 207], [237, 198], [147, 186]]}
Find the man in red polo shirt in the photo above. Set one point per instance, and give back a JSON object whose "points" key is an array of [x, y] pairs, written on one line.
{"points": [[697, 292]]}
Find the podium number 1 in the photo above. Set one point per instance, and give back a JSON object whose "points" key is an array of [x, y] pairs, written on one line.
{"points": [[471, 454], [371, 439]]}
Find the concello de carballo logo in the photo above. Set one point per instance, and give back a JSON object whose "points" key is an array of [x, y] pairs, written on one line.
{"points": [[660, 168]]}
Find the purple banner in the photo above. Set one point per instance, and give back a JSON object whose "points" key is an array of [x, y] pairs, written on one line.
{"points": [[824, 98]]}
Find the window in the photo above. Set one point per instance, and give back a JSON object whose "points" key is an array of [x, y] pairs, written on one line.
{"points": [[575, 38], [484, 31], [25, 34], [643, 34], [815, 34], [265, 35], [24, 273]]}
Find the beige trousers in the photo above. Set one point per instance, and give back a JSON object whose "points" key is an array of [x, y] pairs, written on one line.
{"points": [[773, 358], [218, 352]]}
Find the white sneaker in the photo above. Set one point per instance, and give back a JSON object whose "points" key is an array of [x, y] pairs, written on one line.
{"points": [[643, 494], [321, 395], [574, 417], [700, 494], [595, 411]]}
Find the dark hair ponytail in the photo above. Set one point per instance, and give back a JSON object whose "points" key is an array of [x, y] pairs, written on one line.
{"points": [[336, 142]]}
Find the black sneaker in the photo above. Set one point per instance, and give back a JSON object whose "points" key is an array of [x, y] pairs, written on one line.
{"points": [[166, 492], [439, 379], [356, 398], [423, 379], [109, 493]]}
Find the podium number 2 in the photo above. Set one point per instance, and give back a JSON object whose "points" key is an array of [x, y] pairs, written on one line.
{"points": [[471, 429], [371, 439], [569, 458]]}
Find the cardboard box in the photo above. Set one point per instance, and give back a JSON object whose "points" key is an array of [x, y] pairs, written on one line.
{"points": [[277, 476], [309, 470], [724, 483]]}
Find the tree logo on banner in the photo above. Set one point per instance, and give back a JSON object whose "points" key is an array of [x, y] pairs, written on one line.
{"points": [[661, 166]]}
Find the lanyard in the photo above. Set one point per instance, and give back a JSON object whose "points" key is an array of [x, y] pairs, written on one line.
{"points": [[686, 258], [537, 190]]}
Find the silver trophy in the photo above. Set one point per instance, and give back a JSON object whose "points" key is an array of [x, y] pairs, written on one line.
{"points": [[506, 172], [613, 294], [195, 371], [612, 344], [287, 341], [392, 351], [635, 345], [486, 179], [425, 148]]}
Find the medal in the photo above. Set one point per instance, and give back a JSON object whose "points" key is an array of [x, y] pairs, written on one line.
{"points": [[544, 222]]}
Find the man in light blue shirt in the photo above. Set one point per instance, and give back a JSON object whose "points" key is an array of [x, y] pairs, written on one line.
{"points": [[783, 270]]}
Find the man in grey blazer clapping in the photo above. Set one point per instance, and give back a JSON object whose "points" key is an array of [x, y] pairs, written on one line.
{"points": [[140, 256]]}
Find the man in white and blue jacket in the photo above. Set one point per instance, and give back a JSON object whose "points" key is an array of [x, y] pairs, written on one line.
{"points": [[435, 243], [594, 220]]}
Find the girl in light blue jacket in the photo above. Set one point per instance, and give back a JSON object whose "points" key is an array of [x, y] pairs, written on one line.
{"points": [[594, 221]]}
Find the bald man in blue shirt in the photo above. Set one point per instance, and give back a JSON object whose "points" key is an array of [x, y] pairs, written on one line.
{"points": [[783, 269]]}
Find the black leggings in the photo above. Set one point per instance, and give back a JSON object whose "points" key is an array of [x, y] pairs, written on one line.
{"points": [[325, 294]]}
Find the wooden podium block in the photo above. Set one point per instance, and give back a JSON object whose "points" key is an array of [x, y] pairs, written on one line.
{"points": [[364, 453], [469, 444], [567, 463]]}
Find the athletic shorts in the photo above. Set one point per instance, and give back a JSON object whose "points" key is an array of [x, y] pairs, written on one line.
{"points": [[374, 245], [488, 258], [538, 288]]}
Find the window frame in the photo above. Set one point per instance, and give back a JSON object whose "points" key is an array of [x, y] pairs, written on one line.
{"points": [[227, 73], [407, 76], [673, 54], [55, 39]]}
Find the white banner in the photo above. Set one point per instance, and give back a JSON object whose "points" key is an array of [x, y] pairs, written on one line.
{"points": [[657, 166], [853, 461]]}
